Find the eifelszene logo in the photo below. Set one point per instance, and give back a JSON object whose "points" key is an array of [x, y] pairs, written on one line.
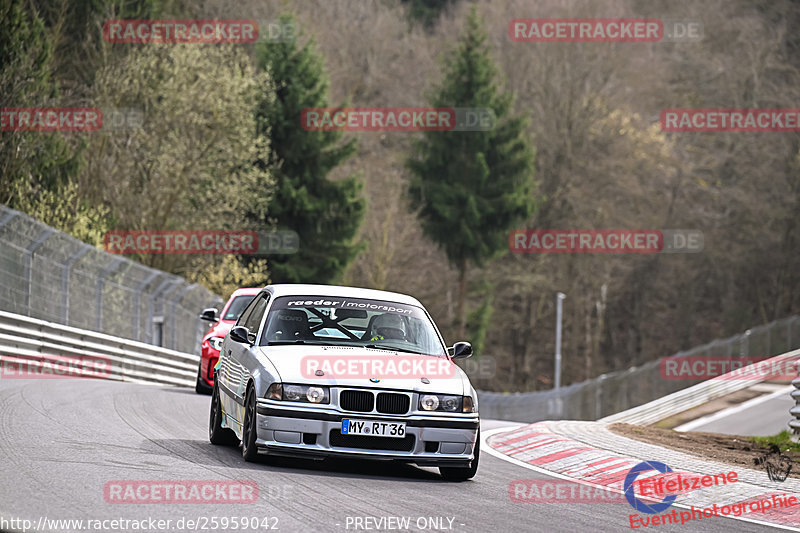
{"points": [[630, 495]]}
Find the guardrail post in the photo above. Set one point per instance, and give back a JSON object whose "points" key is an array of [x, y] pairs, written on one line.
{"points": [[744, 347], [151, 308], [31, 249], [175, 302], [137, 312], [598, 400], [101, 279], [555, 405], [164, 308], [65, 281], [795, 411]]}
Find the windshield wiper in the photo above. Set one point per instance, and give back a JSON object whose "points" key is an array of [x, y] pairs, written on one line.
{"points": [[392, 348], [296, 341]]}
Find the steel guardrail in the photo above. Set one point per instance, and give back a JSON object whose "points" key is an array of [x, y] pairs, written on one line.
{"points": [[26, 342], [696, 395]]}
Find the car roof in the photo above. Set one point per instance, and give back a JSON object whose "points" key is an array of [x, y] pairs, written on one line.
{"points": [[299, 289], [252, 291]]}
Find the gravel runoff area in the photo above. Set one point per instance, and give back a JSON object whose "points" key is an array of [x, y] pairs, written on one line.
{"points": [[730, 449]]}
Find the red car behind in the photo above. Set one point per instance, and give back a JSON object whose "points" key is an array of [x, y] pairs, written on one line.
{"points": [[212, 340]]}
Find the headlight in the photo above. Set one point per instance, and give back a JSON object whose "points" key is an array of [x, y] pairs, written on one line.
{"points": [[317, 395], [299, 393], [440, 402], [429, 402], [216, 343]]}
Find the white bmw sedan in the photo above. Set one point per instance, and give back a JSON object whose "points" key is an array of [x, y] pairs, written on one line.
{"points": [[319, 371]]}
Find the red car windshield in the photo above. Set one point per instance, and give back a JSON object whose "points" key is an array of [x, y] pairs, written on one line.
{"points": [[237, 306]]}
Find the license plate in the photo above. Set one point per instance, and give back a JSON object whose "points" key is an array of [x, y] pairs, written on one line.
{"points": [[373, 428]]}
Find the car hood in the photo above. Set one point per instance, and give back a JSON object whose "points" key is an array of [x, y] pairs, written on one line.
{"points": [[292, 367]]}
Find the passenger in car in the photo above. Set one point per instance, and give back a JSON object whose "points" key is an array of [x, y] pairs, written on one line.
{"points": [[289, 324]]}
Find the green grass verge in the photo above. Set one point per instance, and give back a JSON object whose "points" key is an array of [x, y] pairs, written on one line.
{"points": [[782, 440]]}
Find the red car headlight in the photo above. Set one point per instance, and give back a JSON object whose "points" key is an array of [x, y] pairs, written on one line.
{"points": [[215, 342]]}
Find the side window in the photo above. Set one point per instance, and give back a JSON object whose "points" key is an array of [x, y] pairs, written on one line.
{"points": [[253, 320], [246, 313]]}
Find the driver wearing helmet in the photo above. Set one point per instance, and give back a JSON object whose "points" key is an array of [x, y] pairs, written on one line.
{"points": [[388, 326]]}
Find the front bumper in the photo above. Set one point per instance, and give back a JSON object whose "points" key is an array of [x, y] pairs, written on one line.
{"points": [[208, 360], [431, 440]]}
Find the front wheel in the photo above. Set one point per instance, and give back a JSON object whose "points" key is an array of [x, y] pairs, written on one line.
{"points": [[460, 473], [216, 433], [249, 432]]}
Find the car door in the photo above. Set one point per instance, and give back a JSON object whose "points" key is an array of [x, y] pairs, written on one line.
{"points": [[240, 357]]}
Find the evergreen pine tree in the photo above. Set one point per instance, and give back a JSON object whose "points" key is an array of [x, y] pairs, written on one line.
{"points": [[472, 187], [325, 214]]}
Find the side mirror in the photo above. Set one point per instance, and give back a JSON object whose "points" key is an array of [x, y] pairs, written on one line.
{"points": [[462, 350], [240, 334], [209, 314]]}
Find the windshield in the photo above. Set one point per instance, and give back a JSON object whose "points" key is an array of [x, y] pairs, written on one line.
{"points": [[351, 322], [237, 306]]}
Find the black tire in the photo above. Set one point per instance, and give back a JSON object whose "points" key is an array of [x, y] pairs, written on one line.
{"points": [[463, 473], [249, 431], [216, 433], [201, 387]]}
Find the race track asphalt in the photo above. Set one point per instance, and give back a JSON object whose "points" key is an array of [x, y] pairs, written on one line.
{"points": [[63, 440]]}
